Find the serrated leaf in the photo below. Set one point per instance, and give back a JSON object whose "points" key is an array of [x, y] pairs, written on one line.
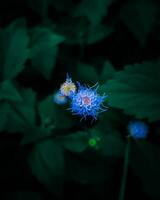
{"points": [[76, 142], [136, 90], [14, 48], [47, 164], [93, 10], [44, 49], [139, 16], [145, 162]]}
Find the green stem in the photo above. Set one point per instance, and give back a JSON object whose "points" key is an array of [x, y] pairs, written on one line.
{"points": [[125, 170]]}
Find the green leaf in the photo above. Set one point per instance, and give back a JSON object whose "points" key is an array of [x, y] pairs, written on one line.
{"points": [[139, 16], [14, 49], [93, 10], [47, 164], [87, 73], [98, 33], [54, 115], [136, 89], [77, 142], [44, 49], [19, 116], [26, 109], [145, 162], [9, 92], [107, 72]]}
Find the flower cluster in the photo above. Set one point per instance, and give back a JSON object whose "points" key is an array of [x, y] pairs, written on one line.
{"points": [[85, 101]]}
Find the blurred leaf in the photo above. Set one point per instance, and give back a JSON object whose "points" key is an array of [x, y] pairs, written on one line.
{"points": [[139, 16], [77, 142], [80, 32], [107, 72], [93, 10], [98, 33], [14, 49], [47, 164], [44, 49], [9, 92], [87, 73], [136, 89], [46, 110], [53, 114], [145, 162], [19, 116], [27, 108]]}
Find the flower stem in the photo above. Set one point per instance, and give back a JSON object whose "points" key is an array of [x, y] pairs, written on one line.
{"points": [[125, 170]]}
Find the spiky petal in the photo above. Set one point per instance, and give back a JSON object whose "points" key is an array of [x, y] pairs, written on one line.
{"points": [[87, 102]]}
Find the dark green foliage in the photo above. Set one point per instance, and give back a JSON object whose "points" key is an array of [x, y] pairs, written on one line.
{"points": [[44, 50], [137, 90], [47, 164], [93, 10], [14, 49], [94, 41]]}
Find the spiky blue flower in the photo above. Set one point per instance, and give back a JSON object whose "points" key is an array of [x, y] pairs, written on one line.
{"points": [[59, 98], [138, 129], [87, 102]]}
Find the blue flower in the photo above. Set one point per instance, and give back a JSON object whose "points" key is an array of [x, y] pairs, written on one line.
{"points": [[87, 102], [59, 98], [138, 129]]}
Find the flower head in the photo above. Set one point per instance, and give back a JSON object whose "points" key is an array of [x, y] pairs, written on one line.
{"points": [[87, 102], [138, 129], [59, 99], [68, 88]]}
